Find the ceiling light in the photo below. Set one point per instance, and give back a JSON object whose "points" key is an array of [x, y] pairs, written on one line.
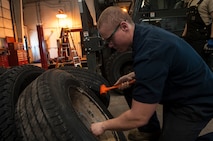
{"points": [[61, 14]]}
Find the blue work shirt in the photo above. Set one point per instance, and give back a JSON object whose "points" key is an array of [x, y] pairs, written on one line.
{"points": [[169, 71]]}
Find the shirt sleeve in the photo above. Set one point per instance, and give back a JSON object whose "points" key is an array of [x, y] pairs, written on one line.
{"points": [[151, 66]]}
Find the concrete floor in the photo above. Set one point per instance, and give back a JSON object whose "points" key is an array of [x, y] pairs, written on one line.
{"points": [[118, 105]]}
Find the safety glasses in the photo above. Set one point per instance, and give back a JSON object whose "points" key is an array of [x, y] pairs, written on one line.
{"points": [[108, 40]]}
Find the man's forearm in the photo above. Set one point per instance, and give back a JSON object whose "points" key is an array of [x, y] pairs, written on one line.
{"points": [[124, 122], [137, 116]]}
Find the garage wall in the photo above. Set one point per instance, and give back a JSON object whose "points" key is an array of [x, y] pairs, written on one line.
{"points": [[44, 13], [6, 27]]}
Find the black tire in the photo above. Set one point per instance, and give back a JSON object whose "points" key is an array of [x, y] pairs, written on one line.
{"points": [[12, 83], [57, 107], [118, 65], [91, 79], [2, 70]]}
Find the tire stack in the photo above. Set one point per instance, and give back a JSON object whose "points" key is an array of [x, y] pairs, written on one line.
{"points": [[2, 70], [52, 105]]}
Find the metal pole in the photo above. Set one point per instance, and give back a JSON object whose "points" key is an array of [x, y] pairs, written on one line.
{"points": [[42, 47]]}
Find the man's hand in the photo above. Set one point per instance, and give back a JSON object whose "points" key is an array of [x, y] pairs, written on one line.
{"points": [[208, 47], [97, 128], [125, 78]]}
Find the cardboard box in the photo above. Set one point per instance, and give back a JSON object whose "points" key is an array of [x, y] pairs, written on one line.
{"points": [[15, 46], [9, 39]]}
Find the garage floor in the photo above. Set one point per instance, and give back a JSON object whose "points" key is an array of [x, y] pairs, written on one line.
{"points": [[119, 105]]}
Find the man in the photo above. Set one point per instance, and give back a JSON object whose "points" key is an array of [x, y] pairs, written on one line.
{"points": [[167, 71], [198, 30]]}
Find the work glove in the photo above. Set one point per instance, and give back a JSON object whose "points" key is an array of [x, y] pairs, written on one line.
{"points": [[210, 43], [208, 47]]}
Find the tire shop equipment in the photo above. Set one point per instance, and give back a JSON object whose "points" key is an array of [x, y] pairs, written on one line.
{"points": [[91, 79], [12, 83], [58, 107]]}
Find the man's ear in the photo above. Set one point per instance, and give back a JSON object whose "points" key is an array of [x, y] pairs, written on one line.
{"points": [[124, 26]]}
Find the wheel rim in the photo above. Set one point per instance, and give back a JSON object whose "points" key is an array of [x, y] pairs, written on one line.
{"points": [[90, 112]]}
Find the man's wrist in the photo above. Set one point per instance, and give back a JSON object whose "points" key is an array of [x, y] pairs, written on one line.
{"points": [[103, 126]]}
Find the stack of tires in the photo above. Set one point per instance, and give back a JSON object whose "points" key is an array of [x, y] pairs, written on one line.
{"points": [[52, 105], [2, 70]]}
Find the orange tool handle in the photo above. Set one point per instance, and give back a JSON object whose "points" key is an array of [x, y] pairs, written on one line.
{"points": [[119, 85], [104, 89]]}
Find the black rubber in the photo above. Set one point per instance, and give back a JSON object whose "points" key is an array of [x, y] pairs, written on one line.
{"points": [[91, 79], [57, 107], [2, 70], [12, 83], [118, 65]]}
